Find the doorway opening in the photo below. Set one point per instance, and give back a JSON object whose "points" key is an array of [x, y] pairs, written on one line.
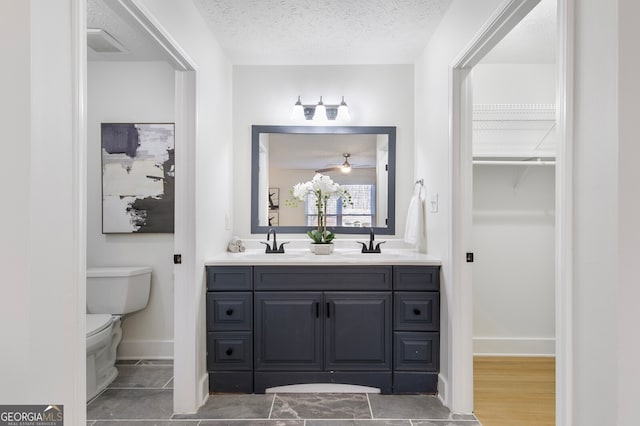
{"points": [[513, 224], [170, 67], [462, 185]]}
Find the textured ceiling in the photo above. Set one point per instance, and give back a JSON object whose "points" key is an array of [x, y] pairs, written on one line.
{"points": [[307, 32], [118, 23]]}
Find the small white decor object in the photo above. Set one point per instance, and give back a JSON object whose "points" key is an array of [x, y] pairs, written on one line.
{"points": [[321, 248]]}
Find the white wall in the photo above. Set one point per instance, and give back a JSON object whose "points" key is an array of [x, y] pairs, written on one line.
{"points": [[42, 243], [378, 95], [461, 22], [596, 220], [514, 84], [513, 273], [628, 371], [131, 92]]}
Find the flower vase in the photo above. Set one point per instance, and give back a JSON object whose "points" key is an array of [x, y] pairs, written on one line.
{"points": [[321, 248]]}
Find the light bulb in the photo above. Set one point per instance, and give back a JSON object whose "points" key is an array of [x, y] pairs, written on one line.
{"points": [[346, 167], [343, 112], [298, 111], [320, 113]]}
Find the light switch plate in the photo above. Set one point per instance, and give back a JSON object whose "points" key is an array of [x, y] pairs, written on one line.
{"points": [[433, 203]]}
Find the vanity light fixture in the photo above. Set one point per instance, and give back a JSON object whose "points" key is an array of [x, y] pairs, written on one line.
{"points": [[320, 112]]}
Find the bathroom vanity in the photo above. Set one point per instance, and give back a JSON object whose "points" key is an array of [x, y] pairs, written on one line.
{"points": [[280, 323]]}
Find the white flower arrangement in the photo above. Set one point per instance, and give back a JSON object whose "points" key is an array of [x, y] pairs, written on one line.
{"points": [[324, 189]]}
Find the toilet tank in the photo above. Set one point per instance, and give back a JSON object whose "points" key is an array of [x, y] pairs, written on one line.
{"points": [[117, 290]]}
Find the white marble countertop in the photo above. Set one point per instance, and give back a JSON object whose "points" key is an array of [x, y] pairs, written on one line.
{"points": [[345, 253]]}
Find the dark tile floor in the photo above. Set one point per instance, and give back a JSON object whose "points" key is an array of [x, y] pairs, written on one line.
{"points": [[142, 395]]}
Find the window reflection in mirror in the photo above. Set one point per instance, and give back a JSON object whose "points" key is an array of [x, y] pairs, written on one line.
{"points": [[362, 159]]}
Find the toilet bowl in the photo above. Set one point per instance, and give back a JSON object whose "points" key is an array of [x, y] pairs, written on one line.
{"points": [[111, 293], [103, 337]]}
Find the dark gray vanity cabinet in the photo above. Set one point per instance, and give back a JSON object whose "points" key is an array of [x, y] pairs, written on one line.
{"points": [[368, 325], [357, 331], [416, 336], [230, 329], [288, 331], [322, 331], [322, 325]]}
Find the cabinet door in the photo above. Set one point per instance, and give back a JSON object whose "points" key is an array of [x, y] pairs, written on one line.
{"points": [[357, 331], [288, 331]]}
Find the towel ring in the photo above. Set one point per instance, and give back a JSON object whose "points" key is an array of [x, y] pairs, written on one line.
{"points": [[421, 183]]}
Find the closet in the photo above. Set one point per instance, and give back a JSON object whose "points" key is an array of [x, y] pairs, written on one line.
{"points": [[513, 228]]}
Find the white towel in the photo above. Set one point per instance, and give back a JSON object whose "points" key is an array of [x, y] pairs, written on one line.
{"points": [[235, 245], [414, 227]]}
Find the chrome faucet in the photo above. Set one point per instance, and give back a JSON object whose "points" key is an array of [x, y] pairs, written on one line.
{"points": [[275, 248], [370, 248]]}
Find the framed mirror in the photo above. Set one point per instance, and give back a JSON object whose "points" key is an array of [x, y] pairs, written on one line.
{"points": [[360, 158]]}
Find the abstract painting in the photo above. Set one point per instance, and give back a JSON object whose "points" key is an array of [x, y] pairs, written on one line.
{"points": [[138, 171], [274, 198]]}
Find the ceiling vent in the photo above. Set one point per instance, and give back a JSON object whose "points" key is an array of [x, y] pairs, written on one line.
{"points": [[101, 41]]}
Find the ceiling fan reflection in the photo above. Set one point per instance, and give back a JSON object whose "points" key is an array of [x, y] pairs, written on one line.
{"points": [[345, 167]]}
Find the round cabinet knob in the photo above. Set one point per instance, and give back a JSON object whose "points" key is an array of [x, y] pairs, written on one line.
{"points": [[229, 312], [229, 352], [417, 311]]}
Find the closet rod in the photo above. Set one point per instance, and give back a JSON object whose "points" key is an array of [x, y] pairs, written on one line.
{"points": [[516, 162]]}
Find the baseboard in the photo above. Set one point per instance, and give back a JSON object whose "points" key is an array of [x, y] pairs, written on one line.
{"points": [[507, 346], [145, 349], [443, 388], [203, 389]]}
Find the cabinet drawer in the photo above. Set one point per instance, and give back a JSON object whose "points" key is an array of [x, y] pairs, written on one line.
{"points": [[417, 311], [417, 351], [229, 311], [228, 351], [416, 278], [229, 278], [302, 278]]}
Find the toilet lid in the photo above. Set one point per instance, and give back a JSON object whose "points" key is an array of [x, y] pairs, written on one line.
{"points": [[97, 322]]}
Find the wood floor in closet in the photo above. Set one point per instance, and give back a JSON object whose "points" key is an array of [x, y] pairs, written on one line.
{"points": [[514, 391]]}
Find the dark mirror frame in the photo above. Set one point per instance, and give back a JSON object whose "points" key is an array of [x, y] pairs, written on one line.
{"points": [[327, 130]]}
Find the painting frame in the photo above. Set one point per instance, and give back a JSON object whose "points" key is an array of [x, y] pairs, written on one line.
{"points": [[138, 177], [274, 199]]}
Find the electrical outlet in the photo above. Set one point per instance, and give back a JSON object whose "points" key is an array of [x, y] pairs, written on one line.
{"points": [[433, 203], [227, 222]]}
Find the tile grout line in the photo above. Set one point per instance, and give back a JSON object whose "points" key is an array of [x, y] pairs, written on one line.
{"points": [[273, 401], [369, 404]]}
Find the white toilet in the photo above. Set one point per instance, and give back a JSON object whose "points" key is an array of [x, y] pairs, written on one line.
{"points": [[111, 293]]}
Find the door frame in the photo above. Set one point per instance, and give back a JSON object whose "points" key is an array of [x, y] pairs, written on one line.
{"points": [[508, 15], [189, 390]]}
